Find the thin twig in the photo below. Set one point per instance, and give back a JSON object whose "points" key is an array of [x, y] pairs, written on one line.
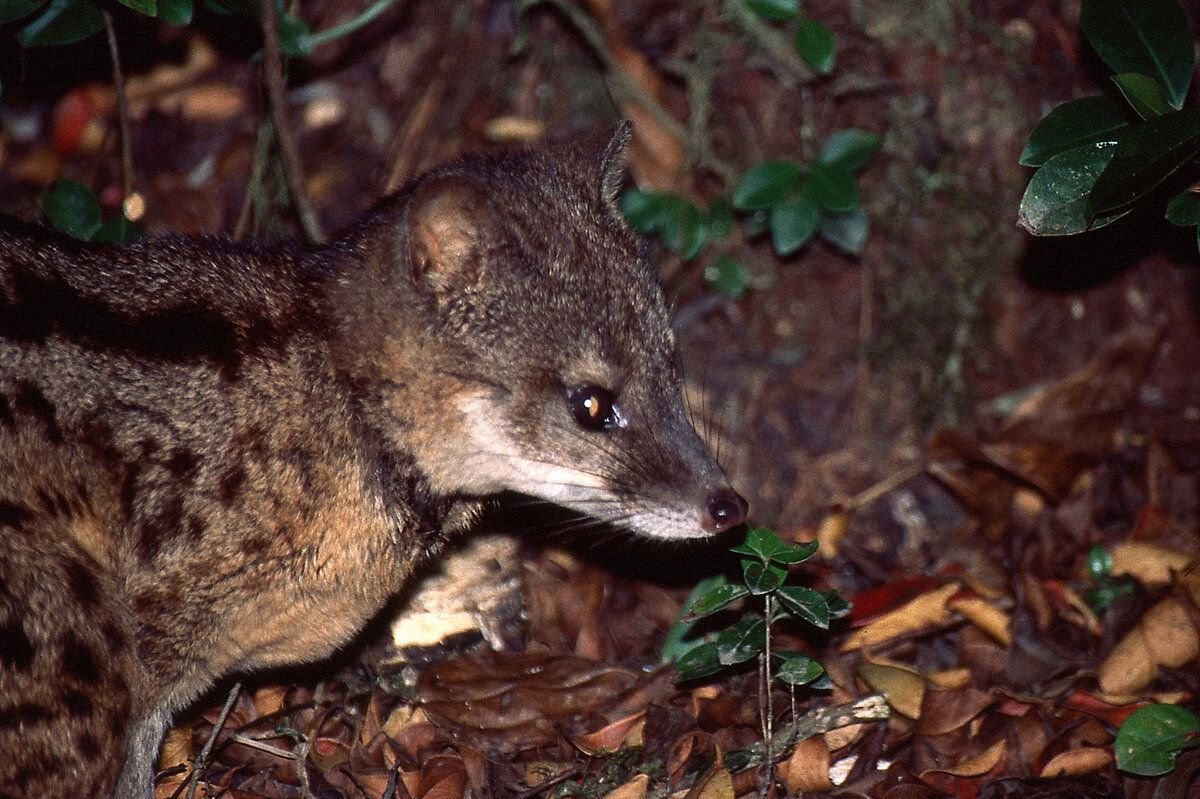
{"points": [[349, 26], [122, 107], [277, 100], [870, 708], [772, 41], [201, 761]]}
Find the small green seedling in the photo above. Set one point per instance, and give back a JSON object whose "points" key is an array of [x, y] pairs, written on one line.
{"points": [[73, 208], [768, 598]]}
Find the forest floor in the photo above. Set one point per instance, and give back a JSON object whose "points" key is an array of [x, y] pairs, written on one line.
{"points": [[959, 416]]}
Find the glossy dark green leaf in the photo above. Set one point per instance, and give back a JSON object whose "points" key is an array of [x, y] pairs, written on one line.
{"points": [[1184, 210], [806, 604], [832, 188], [776, 10], [849, 149], [793, 223], [1147, 36], [1056, 200], [817, 45], [848, 232], [1072, 124], [1150, 739], [63, 22], [72, 208], [147, 7], [797, 669], [742, 641], [1144, 94], [765, 184], [764, 544], [1145, 155], [727, 276], [700, 661], [175, 12], [15, 9], [762, 578], [716, 598]]}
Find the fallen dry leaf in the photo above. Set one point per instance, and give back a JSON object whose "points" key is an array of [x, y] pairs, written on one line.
{"points": [[808, 767], [1166, 635], [634, 789], [1084, 760], [926, 612], [513, 701], [903, 685]]}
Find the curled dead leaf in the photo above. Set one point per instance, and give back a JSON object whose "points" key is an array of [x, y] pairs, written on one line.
{"points": [[986, 617], [927, 612], [1166, 635], [634, 789], [1074, 762], [808, 767]]}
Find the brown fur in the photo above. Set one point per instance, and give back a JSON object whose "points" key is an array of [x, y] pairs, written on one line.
{"points": [[216, 457]]}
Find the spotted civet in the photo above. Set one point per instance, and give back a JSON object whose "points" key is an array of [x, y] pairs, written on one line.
{"points": [[218, 457]]}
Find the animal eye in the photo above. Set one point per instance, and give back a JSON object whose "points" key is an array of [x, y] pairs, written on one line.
{"points": [[594, 408]]}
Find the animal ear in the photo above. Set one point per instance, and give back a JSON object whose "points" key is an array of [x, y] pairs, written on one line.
{"points": [[612, 161], [450, 222]]}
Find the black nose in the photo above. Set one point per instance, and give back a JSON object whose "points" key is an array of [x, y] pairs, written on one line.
{"points": [[725, 509]]}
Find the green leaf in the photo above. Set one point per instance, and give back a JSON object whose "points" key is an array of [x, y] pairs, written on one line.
{"points": [[838, 606], [832, 188], [764, 544], [1147, 36], [700, 661], [805, 604], [1056, 199], [683, 228], [147, 7], [765, 184], [63, 22], [226, 7], [797, 669], [1145, 155], [642, 209], [793, 223], [15, 9], [716, 598], [293, 35], [117, 231], [848, 232], [777, 10], [1143, 93], [1149, 740], [1072, 124], [742, 641], [762, 578], [72, 208], [1184, 209], [817, 45], [719, 219], [849, 149], [1099, 562], [175, 12], [726, 275]]}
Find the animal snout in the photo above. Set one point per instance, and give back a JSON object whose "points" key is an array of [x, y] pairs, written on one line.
{"points": [[726, 509]]}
